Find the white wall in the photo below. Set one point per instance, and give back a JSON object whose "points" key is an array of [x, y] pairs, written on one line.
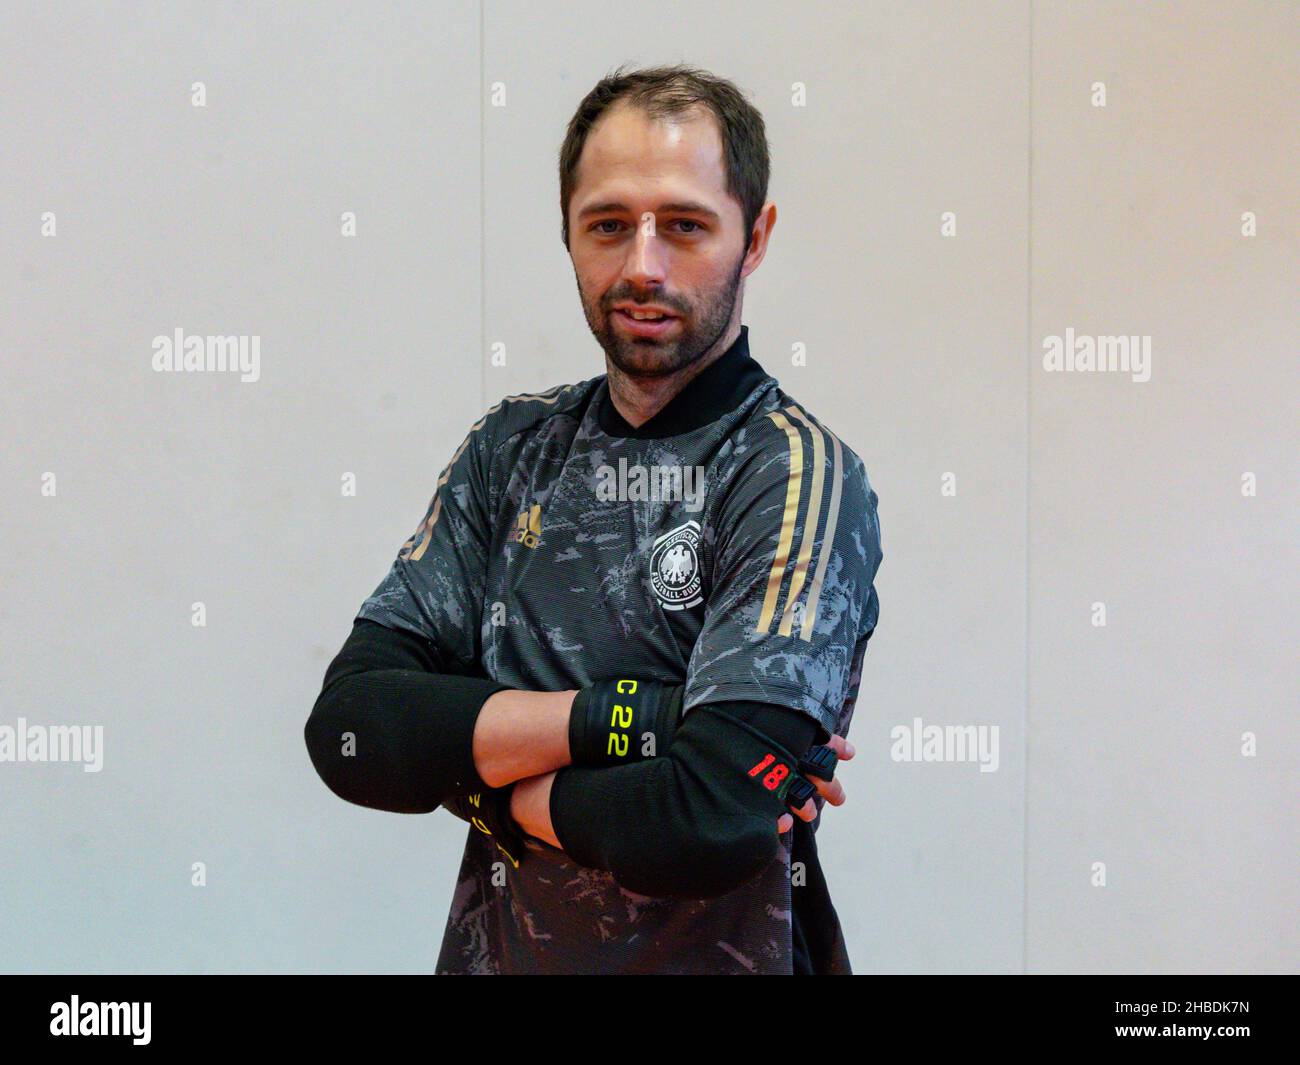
{"points": [[1118, 744]]}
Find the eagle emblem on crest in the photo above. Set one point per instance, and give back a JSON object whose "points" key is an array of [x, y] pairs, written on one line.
{"points": [[675, 567]]}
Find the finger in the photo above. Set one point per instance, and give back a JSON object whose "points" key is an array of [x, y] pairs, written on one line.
{"points": [[830, 790], [808, 811], [842, 747], [784, 823]]}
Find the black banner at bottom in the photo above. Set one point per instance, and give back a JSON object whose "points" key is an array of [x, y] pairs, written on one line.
{"points": [[338, 1014]]}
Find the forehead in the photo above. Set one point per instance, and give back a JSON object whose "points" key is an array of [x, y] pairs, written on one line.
{"points": [[629, 153]]}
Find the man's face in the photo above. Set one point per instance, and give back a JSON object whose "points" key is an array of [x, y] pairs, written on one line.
{"points": [[651, 223]]}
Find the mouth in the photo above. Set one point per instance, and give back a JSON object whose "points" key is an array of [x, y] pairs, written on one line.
{"points": [[643, 323]]}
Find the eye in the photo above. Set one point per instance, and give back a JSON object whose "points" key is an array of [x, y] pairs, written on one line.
{"points": [[596, 227]]}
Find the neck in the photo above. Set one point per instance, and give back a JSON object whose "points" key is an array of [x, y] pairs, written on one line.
{"points": [[638, 399]]}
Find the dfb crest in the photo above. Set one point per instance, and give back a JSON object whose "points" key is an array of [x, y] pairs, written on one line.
{"points": [[675, 567]]}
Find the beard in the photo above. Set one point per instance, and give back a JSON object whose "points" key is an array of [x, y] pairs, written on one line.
{"points": [[700, 326]]}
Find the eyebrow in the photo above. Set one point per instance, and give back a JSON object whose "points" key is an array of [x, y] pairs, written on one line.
{"points": [[615, 207]]}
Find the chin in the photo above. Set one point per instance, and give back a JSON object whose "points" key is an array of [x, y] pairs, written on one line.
{"points": [[646, 358]]}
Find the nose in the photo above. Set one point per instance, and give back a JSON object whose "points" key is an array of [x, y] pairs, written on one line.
{"points": [[647, 258]]}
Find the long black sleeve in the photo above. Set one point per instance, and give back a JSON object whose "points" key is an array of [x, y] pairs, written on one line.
{"points": [[697, 822], [390, 729]]}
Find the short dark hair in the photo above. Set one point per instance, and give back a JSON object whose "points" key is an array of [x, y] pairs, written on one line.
{"points": [[667, 91]]}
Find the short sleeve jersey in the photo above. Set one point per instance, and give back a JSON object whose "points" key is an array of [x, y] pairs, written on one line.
{"points": [[730, 544]]}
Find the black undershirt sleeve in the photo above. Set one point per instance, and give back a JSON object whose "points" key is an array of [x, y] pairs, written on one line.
{"points": [[392, 732], [390, 729], [697, 822]]}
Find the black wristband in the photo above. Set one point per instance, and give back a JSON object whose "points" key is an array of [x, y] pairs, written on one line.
{"points": [[622, 721]]}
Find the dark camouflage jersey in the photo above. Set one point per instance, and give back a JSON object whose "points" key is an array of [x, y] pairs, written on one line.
{"points": [[736, 556]]}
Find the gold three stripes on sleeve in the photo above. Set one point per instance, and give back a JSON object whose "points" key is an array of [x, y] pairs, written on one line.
{"points": [[794, 488]]}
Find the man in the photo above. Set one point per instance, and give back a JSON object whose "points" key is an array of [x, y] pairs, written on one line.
{"points": [[637, 606]]}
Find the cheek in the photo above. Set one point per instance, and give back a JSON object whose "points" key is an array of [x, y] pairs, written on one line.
{"points": [[595, 279], [591, 289], [700, 273]]}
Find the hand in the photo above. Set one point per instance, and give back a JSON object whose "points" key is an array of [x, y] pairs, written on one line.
{"points": [[830, 790], [530, 808]]}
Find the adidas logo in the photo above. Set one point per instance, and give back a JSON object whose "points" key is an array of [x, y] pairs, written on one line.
{"points": [[528, 527]]}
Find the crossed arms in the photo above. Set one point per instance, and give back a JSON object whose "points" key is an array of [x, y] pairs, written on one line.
{"points": [[393, 731]]}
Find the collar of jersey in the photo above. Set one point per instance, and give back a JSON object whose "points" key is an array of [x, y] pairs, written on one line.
{"points": [[717, 390]]}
